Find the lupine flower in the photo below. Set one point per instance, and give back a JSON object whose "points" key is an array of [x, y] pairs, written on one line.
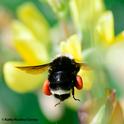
{"points": [[110, 112], [31, 39], [60, 7], [35, 21], [85, 12], [112, 44], [105, 33], [31, 49]]}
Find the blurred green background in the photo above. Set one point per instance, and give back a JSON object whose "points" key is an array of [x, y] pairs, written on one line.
{"points": [[27, 105]]}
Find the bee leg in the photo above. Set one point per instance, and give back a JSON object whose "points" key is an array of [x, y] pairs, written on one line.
{"points": [[57, 103], [74, 96]]}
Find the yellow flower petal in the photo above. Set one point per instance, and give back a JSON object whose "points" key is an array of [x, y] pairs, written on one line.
{"points": [[120, 37], [20, 81], [60, 7], [98, 119], [35, 21], [105, 28], [63, 47], [32, 51], [72, 47], [87, 76], [20, 31], [85, 12], [117, 115]]}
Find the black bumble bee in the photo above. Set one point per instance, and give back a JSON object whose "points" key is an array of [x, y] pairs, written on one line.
{"points": [[62, 77]]}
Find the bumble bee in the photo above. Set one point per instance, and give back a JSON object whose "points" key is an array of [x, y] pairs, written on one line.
{"points": [[62, 77]]}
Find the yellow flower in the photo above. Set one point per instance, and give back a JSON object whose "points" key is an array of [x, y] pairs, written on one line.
{"points": [[104, 32], [20, 81], [110, 111], [72, 47], [105, 28], [120, 37], [25, 39], [35, 21], [32, 51], [85, 12], [60, 7]]}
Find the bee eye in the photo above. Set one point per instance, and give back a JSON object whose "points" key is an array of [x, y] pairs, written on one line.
{"points": [[46, 88], [79, 82]]}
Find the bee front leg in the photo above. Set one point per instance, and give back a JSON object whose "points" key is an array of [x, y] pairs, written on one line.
{"points": [[74, 96]]}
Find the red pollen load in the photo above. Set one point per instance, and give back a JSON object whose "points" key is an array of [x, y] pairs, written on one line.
{"points": [[79, 82], [46, 88]]}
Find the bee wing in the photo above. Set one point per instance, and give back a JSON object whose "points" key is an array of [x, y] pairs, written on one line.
{"points": [[84, 66], [34, 69]]}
